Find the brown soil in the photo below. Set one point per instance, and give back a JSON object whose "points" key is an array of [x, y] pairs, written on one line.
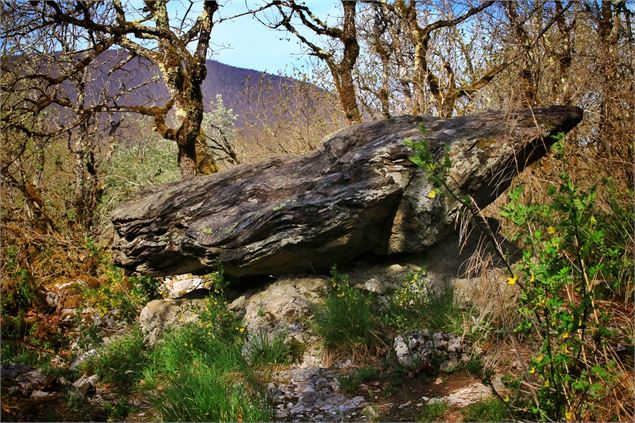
{"points": [[391, 397]]}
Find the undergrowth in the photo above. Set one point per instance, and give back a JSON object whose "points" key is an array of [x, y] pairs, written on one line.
{"points": [[195, 373], [574, 272], [347, 317], [355, 317]]}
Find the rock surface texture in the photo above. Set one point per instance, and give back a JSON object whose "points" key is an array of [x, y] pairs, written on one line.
{"points": [[357, 194]]}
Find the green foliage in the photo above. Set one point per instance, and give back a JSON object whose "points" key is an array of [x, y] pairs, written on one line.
{"points": [[218, 127], [350, 382], [120, 361], [132, 168], [569, 264], [207, 392], [198, 373], [125, 294], [425, 158], [475, 366], [491, 410], [433, 412], [416, 305], [263, 348], [18, 294], [118, 410], [575, 255], [347, 317]]}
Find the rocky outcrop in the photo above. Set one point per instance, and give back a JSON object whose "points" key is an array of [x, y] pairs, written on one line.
{"points": [[357, 194], [423, 350], [160, 315]]}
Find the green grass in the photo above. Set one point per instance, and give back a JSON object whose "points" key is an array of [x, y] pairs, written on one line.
{"points": [[491, 410], [347, 318], [433, 412], [121, 361], [207, 392], [417, 305], [263, 349], [197, 373]]}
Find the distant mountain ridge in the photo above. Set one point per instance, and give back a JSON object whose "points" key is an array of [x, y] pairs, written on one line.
{"points": [[247, 92]]}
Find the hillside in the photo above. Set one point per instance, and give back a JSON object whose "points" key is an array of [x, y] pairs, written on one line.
{"points": [[247, 92]]}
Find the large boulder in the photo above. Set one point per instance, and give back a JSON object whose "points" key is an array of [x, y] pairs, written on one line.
{"points": [[357, 194]]}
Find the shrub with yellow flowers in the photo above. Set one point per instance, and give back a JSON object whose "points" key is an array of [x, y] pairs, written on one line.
{"points": [[576, 265], [569, 266]]}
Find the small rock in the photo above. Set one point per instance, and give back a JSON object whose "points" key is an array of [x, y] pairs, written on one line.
{"points": [[238, 303], [86, 385], [159, 315], [52, 299], [30, 381], [40, 395], [82, 359], [450, 364], [373, 285], [11, 371], [438, 381], [469, 395]]}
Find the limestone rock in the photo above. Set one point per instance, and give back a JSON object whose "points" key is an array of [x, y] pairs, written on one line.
{"points": [[283, 303], [40, 395], [312, 394], [468, 395], [181, 285], [87, 385], [30, 381], [12, 371], [159, 315], [421, 350], [357, 194]]}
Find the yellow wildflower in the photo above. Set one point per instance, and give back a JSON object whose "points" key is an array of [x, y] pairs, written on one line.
{"points": [[506, 399], [242, 329], [539, 358], [565, 335], [512, 280], [532, 278], [565, 349], [551, 230], [546, 384], [568, 415], [532, 370], [593, 220], [432, 194]]}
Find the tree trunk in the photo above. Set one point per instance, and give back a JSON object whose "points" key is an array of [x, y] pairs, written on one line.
{"points": [[348, 99]]}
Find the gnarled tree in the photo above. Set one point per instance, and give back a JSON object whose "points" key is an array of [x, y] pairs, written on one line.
{"points": [[340, 63], [84, 31]]}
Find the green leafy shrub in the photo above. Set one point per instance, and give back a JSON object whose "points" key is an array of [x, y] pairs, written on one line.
{"points": [[347, 317], [116, 291], [569, 266], [577, 257], [132, 168]]}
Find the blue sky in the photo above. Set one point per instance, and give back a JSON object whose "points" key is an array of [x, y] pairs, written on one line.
{"points": [[246, 43]]}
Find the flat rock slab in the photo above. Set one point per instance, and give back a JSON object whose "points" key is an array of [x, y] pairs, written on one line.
{"points": [[357, 194]]}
